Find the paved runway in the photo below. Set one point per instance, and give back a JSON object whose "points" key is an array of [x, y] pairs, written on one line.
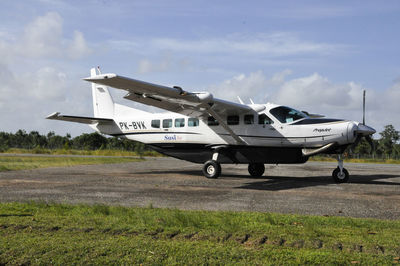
{"points": [[373, 190]]}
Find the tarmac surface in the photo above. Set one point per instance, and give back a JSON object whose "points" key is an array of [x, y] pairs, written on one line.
{"points": [[373, 190]]}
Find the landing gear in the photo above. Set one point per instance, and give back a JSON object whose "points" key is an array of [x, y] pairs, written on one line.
{"points": [[340, 174], [212, 169], [256, 169]]}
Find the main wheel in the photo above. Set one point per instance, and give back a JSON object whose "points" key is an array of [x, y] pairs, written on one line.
{"points": [[212, 169], [340, 177], [256, 169]]}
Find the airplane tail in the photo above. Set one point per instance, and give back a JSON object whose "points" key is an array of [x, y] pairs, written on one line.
{"points": [[103, 104]]}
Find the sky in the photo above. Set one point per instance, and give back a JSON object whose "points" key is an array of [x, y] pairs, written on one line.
{"points": [[316, 56]]}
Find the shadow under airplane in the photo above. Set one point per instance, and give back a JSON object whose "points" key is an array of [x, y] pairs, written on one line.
{"points": [[275, 183]]}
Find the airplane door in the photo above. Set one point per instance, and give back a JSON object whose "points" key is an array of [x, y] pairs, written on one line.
{"points": [[290, 136], [268, 130]]}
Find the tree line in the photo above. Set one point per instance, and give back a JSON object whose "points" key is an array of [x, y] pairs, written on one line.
{"points": [[93, 141], [386, 146]]}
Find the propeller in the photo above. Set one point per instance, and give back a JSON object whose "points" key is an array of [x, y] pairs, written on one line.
{"points": [[364, 131], [364, 107]]}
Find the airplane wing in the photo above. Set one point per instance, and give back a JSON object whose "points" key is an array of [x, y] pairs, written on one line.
{"points": [[175, 99], [80, 119]]}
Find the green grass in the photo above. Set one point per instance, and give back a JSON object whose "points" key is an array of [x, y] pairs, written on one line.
{"points": [[10, 163], [105, 152], [39, 233], [354, 160]]}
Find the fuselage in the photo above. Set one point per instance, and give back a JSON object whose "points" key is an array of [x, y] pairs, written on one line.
{"points": [[203, 129], [275, 128]]}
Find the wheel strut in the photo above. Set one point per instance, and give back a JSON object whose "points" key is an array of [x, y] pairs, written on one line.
{"points": [[340, 174]]}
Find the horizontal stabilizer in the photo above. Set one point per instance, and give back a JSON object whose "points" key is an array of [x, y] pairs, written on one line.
{"points": [[80, 119]]}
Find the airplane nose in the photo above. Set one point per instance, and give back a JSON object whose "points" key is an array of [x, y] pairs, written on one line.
{"points": [[365, 130], [351, 131]]}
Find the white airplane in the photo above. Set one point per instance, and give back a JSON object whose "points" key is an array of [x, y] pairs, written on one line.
{"points": [[202, 129]]}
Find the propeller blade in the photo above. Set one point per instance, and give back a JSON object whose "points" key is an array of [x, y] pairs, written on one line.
{"points": [[371, 142], [363, 108], [356, 142]]}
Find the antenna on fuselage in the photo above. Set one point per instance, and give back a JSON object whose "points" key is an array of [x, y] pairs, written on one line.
{"points": [[98, 69], [240, 100], [251, 101]]}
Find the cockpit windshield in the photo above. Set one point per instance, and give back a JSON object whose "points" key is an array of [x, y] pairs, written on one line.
{"points": [[287, 115]]}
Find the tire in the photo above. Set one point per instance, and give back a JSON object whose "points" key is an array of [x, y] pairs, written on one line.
{"points": [[212, 169], [256, 169], [340, 178]]}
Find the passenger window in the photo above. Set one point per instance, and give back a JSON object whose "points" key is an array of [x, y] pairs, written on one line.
{"points": [[233, 120], [180, 122], [166, 123], [263, 119], [211, 121], [248, 119], [193, 122], [155, 123]]}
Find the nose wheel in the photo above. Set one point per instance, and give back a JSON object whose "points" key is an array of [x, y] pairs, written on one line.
{"points": [[340, 174]]}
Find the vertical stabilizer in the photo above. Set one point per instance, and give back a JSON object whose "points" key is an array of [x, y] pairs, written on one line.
{"points": [[103, 104]]}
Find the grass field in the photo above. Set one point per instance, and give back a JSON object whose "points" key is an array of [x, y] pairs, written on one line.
{"points": [[39, 233], [10, 163], [354, 160], [105, 152]]}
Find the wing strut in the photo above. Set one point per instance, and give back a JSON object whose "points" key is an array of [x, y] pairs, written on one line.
{"points": [[238, 139]]}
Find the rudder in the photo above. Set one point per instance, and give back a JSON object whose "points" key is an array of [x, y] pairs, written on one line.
{"points": [[103, 104]]}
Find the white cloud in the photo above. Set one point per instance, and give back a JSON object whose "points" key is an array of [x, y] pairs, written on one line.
{"points": [[26, 99], [46, 84], [31, 86], [392, 97], [316, 94], [266, 45], [254, 85], [30, 90], [258, 48], [315, 89], [7, 86], [241, 85], [78, 47], [165, 63], [147, 66], [44, 38]]}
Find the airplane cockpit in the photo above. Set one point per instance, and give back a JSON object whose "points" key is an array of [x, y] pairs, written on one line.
{"points": [[286, 114]]}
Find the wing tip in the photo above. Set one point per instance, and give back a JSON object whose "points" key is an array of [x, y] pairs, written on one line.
{"points": [[53, 115], [100, 77]]}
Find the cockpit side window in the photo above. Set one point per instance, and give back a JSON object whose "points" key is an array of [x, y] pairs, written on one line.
{"points": [[232, 120], [263, 119], [248, 119], [287, 115], [211, 121]]}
